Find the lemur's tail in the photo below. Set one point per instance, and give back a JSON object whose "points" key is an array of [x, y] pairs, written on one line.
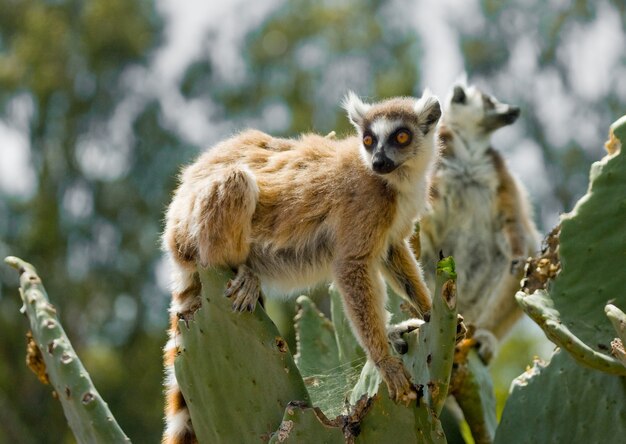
{"points": [[185, 300]]}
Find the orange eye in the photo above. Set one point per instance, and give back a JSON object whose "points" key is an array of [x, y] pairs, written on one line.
{"points": [[403, 137], [368, 140]]}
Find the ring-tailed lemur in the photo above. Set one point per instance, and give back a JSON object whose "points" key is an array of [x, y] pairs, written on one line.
{"points": [[289, 213], [480, 215]]}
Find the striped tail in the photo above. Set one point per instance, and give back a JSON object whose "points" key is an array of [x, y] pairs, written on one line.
{"points": [[178, 427]]}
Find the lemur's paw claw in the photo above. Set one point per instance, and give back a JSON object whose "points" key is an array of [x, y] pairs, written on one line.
{"points": [[244, 289]]}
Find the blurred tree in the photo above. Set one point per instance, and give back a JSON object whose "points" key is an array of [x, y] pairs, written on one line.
{"points": [[543, 55], [107, 135], [91, 236]]}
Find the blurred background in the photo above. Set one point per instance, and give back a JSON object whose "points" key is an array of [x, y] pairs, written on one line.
{"points": [[102, 101]]}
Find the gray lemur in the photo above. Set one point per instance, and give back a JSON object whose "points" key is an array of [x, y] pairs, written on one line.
{"points": [[480, 215]]}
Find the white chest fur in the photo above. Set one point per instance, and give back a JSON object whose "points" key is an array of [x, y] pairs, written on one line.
{"points": [[467, 226], [411, 205]]}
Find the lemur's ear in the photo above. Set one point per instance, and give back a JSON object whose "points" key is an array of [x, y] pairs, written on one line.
{"points": [[428, 111], [458, 94], [356, 109], [458, 91]]}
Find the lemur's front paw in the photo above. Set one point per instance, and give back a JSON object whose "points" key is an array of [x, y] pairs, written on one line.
{"points": [[395, 332], [245, 290], [487, 345], [397, 379]]}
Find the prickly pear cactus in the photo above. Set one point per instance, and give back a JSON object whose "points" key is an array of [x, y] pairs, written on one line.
{"points": [[86, 412], [473, 391], [235, 370], [564, 402], [318, 359], [589, 251], [580, 396]]}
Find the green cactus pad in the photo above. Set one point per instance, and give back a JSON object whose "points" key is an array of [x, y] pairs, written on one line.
{"points": [[350, 352], [234, 370], [477, 399], [302, 425], [430, 361], [315, 335], [618, 319], [414, 423], [592, 251], [406, 424], [87, 414], [447, 265], [564, 402], [327, 380]]}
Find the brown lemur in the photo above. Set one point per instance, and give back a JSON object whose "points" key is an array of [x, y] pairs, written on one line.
{"points": [[479, 214], [287, 214]]}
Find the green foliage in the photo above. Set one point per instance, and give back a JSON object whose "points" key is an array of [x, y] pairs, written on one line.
{"points": [[237, 393], [57, 59]]}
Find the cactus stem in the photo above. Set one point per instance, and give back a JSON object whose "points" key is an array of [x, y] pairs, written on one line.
{"points": [[439, 335], [88, 415]]}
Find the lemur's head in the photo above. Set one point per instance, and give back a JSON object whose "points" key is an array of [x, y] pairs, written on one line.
{"points": [[395, 133], [476, 113]]}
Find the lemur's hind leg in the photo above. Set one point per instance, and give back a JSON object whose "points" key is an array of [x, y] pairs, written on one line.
{"points": [[223, 218], [245, 289]]}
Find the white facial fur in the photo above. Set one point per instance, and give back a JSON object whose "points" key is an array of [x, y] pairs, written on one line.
{"points": [[383, 119], [466, 118]]}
